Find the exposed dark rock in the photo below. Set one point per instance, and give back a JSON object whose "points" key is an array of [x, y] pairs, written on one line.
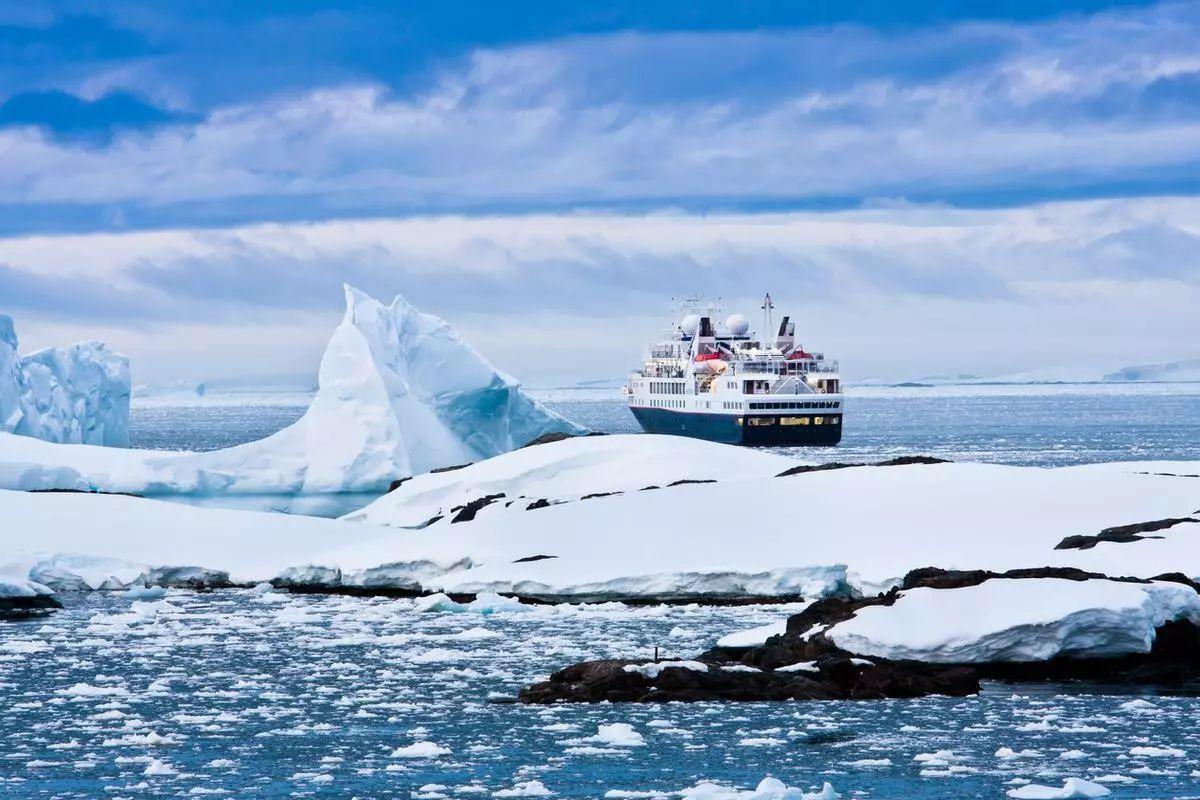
{"points": [[685, 481], [396, 484], [649, 488], [597, 681], [82, 491], [1122, 534], [1172, 665], [439, 470], [891, 462], [467, 513], [902, 461], [547, 438], [17, 608], [528, 559], [599, 494], [539, 503]]}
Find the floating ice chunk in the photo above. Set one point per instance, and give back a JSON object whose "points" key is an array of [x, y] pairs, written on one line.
{"points": [[653, 669], [870, 762], [421, 750], [1008, 753], [491, 602], [437, 603], [1071, 789], [753, 637], [1157, 752], [159, 768], [1140, 706], [145, 592], [617, 734], [767, 789], [525, 789]]}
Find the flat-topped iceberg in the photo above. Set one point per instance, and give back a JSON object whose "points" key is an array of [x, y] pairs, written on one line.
{"points": [[74, 395], [400, 393]]}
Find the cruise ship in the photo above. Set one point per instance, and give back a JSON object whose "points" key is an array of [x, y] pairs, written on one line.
{"points": [[717, 380]]}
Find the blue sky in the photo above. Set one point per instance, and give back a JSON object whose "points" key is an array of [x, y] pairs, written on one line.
{"points": [[179, 176]]}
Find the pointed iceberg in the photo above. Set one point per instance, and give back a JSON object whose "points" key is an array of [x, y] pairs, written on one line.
{"points": [[71, 395], [400, 393]]}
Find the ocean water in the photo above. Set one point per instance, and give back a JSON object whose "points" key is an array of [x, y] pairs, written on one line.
{"points": [[233, 694], [1051, 425]]}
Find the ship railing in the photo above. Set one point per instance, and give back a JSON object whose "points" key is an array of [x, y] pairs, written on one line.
{"points": [[779, 366], [792, 384]]}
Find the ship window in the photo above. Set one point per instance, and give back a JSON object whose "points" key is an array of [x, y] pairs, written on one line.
{"points": [[793, 421], [818, 420], [834, 420], [761, 421]]}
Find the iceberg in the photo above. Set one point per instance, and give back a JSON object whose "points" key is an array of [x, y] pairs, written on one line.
{"points": [[399, 393], [71, 395]]}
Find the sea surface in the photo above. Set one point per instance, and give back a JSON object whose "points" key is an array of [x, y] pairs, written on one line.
{"points": [[244, 695], [1041, 425]]}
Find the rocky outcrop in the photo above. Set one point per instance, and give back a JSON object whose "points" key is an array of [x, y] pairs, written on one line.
{"points": [[830, 679], [803, 663], [891, 462], [1122, 534], [23, 607]]}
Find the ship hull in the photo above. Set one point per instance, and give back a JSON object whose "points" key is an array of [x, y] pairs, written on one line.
{"points": [[760, 430]]}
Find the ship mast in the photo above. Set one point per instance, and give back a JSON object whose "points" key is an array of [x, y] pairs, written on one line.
{"points": [[768, 318]]}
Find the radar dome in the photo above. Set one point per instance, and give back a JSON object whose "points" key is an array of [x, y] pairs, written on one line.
{"points": [[737, 325], [689, 324]]}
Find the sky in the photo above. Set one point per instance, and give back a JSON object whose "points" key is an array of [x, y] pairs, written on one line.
{"points": [[927, 187]]}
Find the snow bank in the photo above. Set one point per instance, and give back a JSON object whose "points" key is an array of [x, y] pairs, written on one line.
{"points": [[77, 394], [811, 535], [568, 470], [1008, 620], [400, 393]]}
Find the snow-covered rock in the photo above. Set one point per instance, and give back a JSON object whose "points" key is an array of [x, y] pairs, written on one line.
{"points": [[400, 393], [1015, 620], [75, 395], [566, 471]]}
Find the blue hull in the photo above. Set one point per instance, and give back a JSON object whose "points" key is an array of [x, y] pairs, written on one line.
{"points": [[762, 430]]}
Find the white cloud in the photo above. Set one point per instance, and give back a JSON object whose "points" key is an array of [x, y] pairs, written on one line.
{"points": [[629, 117], [893, 291]]}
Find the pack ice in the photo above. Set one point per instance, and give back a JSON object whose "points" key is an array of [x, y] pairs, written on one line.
{"points": [[76, 395], [400, 393]]}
